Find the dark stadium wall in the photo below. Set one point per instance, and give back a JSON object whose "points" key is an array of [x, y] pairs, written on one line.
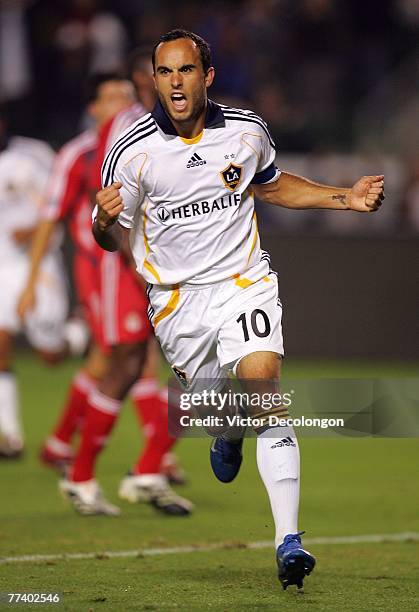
{"points": [[348, 297]]}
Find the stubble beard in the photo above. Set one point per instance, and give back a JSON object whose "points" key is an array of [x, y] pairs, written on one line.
{"points": [[198, 107]]}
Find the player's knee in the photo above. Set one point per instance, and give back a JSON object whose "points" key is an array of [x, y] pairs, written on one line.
{"points": [[262, 365], [50, 358], [127, 361], [5, 361], [97, 363], [5, 350]]}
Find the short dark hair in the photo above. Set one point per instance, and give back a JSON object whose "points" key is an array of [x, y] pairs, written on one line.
{"points": [[203, 46], [137, 58], [98, 79]]}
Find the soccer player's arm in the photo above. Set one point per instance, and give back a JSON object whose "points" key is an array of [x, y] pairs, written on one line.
{"points": [[116, 204], [39, 246], [292, 191], [60, 193]]}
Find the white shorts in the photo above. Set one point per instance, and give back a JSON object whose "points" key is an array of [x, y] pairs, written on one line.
{"points": [[44, 325], [205, 330]]}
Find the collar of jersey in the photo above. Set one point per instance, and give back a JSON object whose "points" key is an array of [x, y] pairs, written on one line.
{"points": [[214, 118]]}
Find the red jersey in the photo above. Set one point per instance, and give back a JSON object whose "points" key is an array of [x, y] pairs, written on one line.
{"points": [[67, 193], [123, 303], [109, 132]]}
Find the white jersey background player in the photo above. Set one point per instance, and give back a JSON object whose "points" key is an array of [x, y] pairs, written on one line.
{"points": [[213, 303], [24, 169]]}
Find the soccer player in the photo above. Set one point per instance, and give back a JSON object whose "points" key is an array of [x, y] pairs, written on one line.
{"points": [[67, 198], [182, 179], [143, 482], [100, 280], [24, 168], [131, 355]]}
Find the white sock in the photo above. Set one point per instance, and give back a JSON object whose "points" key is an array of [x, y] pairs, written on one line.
{"points": [[278, 460], [9, 408]]}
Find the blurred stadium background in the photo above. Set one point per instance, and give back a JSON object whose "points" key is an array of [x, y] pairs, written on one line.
{"points": [[338, 83]]}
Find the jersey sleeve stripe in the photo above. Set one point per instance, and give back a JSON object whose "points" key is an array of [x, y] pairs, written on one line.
{"points": [[123, 121], [123, 143], [109, 178], [233, 116], [141, 125], [245, 113]]}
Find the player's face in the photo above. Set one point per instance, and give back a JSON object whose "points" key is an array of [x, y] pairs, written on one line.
{"points": [[180, 80], [112, 97]]}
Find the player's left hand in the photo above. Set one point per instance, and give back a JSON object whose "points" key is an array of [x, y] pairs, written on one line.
{"points": [[367, 194], [26, 302], [23, 236]]}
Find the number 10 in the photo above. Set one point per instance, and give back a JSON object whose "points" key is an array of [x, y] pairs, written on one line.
{"points": [[254, 324]]}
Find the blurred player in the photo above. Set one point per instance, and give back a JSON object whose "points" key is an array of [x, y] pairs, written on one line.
{"points": [[101, 283], [124, 323], [182, 178], [67, 198], [141, 73], [24, 169]]}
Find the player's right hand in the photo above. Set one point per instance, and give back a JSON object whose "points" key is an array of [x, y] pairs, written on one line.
{"points": [[26, 302], [110, 205]]}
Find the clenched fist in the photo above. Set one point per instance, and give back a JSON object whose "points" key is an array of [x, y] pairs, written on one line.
{"points": [[110, 205], [367, 194]]}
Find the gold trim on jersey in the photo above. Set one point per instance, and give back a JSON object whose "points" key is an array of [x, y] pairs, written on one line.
{"points": [[147, 265], [170, 306], [256, 235], [244, 283], [248, 143], [152, 270], [190, 141]]}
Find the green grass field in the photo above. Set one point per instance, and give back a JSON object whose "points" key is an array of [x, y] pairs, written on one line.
{"points": [[349, 487]]}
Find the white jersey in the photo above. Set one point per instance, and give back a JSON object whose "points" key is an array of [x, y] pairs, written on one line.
{"points": [[24, 169], [189, 202]]}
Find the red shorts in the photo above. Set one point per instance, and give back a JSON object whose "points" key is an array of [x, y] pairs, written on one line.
{"points": [[86, 273], [123, 302], [114, 301]]}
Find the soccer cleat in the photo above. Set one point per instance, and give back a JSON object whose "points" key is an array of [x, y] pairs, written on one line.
{"points": [[172, 470], [155, 490], [56, 455], [226, 459], [87, 498], [294, 563]]}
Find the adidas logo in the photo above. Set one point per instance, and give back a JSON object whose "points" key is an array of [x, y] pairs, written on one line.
{"points": [[195, 161], [284, 442]]}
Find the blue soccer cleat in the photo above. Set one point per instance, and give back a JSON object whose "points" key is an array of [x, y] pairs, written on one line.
{"points": [[294, 563], [226, 459]]}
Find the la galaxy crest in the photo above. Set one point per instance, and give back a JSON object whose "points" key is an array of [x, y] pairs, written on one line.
{"points": [[232, 175]]}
